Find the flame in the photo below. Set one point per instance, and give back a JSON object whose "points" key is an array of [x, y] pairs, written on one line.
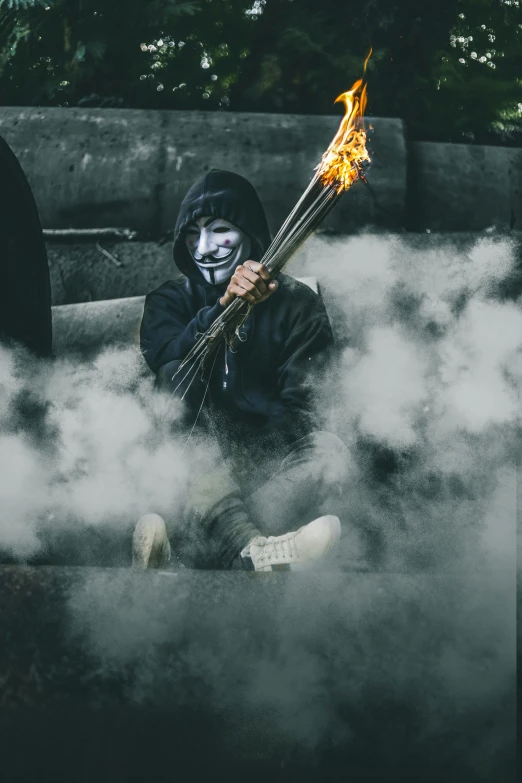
{"points": [[346, 158]]}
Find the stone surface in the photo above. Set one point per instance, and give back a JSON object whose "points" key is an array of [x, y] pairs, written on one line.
{"points": [[91, 326], [90, 168], [131, 168], [278, 153], [133, 676], [462, 187], [82, 273]]}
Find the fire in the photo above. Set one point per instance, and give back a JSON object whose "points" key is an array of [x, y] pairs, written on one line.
{"points": [[346, 158]]}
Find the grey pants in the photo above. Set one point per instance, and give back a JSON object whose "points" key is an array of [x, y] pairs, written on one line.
{"points": [[219, 520]]}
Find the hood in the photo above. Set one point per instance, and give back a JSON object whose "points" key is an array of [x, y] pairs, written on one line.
{"points": [[224, 195]]}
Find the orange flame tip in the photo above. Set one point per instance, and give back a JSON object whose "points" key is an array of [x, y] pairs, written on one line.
{"points": [[347, 156]]}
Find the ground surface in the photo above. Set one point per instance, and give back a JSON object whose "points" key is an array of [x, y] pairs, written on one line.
{"points": [[117, 675]]}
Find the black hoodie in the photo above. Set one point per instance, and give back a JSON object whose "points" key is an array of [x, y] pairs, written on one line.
{"points": [[266, 394]]}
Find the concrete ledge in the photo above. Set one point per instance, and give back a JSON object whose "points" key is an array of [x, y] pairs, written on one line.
{"points": [[91, 326], [90, 168], [129, 167], [461, 187]]}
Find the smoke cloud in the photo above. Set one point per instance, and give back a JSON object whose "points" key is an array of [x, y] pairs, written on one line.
{"points": [[425, 391], [428, 373], [101, 458]]}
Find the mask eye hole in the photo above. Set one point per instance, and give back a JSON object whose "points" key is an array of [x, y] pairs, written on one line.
{"points": [[192, 232], [221, 230]]}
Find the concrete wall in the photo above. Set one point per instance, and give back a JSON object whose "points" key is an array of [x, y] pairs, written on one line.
{"points": [[126, 167], [82, 273], [131, 167], [108, 167], [89, 168], [456, 187]]}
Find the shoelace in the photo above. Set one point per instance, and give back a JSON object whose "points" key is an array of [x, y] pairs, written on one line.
{"points": [[274, 548]]}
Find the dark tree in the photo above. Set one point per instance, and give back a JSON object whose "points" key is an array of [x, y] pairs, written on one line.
{"points": [[451, 69]]}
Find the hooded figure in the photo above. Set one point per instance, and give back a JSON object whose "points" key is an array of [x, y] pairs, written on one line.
{"points": [[259, 388], [258, 399], [25, 292]]}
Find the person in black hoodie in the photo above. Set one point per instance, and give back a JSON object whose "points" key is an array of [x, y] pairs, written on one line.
{"points": [[275, 468]]}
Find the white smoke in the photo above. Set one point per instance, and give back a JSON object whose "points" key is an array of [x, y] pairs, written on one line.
{"points": [[429, 370], [105, 457], [385, 386], [430, 365]]}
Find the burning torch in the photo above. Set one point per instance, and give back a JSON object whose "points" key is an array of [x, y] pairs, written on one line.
{"points": [[344, 162]]}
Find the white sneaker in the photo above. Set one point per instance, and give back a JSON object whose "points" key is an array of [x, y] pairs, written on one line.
{"points": [[150, 543], [295, 551]]}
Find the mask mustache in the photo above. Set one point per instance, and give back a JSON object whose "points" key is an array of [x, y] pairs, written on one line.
{"points": [[211, 258]]}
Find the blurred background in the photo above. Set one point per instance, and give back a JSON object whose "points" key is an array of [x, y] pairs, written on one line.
{"points": [[450, 69]]}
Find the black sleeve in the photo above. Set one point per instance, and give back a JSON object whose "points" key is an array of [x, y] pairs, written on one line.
{"points": [[305, 353], [168, 331]]}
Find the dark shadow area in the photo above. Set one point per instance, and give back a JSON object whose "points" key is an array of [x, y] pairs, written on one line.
{"points": [[124, 677]]}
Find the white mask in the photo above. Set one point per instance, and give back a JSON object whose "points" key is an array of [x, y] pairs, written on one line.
{"points": [[217, 247]]}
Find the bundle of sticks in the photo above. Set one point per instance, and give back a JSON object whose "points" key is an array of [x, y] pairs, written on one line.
{"points": [[344, 162]]}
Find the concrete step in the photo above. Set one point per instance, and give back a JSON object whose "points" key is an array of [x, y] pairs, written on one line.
{"points": [[327, 676]]}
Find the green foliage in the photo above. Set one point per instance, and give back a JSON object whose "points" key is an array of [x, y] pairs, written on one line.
{"points": [[22, 4], [305, 53], [434, 64], [143, 53], [479, 80]]}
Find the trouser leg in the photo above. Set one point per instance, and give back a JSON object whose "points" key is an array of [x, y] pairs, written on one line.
{"points": [[310, 482], [217, 525]]}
